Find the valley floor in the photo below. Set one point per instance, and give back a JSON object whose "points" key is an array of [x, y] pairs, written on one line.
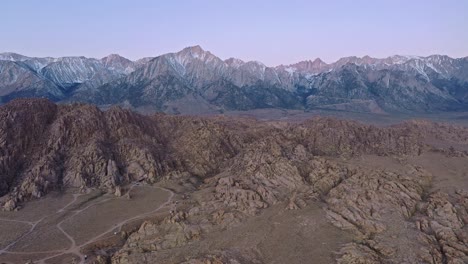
{"points": [[382, 119], [57, 228]]}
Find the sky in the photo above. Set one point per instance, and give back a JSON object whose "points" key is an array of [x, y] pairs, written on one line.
{"points": [[273, 32]]}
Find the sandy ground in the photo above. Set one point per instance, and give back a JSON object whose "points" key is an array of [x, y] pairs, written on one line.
{"points": [[306, 230], [384, 119], [112, 212], [55, 229], [10, 230], [449, 174], [37, 209]]}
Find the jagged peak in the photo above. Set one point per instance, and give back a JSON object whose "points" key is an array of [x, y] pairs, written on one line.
{"points": [[115, 58], [318, 60], [194, 50], [306, 66], [347, 59], [73, 59], [438, 57], [408, 57], [234, 62], [234, 59], [258, 63], [144, 60], [307, 62]]}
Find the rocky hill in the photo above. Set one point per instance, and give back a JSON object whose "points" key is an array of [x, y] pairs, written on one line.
{"points": [[194, 80], [47, 146], [367, 180]]}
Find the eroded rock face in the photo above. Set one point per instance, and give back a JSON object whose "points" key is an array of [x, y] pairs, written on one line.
{"points": [[225, 257], [376, 205], [442, 220], [172, 232], [46, 147]]}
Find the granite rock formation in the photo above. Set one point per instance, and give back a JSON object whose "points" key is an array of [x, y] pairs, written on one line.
{"points": [[226, 171]]}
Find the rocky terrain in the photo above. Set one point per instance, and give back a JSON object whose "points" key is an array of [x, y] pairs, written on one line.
{"points": [[244, 191], [196, 81], [57, 78]]}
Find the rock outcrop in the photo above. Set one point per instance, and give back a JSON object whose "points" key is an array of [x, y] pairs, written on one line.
{"points": [[228, 170]]}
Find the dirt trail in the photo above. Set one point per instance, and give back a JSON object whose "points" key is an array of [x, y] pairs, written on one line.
{"points": [[75, 197], [74, 248], [17, 221]]}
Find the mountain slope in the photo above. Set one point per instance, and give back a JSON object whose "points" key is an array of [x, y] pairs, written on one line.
{"points": [[17, 80], [392, 90], [57, 78]]}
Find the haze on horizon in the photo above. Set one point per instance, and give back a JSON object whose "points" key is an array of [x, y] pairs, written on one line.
{"points": [[280, 32]]}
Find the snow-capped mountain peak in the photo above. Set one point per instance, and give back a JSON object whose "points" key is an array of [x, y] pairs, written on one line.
{"points": [[195, 70], [118, 63]]}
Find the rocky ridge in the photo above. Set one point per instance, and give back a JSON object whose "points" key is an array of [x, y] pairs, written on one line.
{"points": [[194, 80], [228, 170]]}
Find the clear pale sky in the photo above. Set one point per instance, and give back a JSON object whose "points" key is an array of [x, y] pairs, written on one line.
{"points": [[273, 32]]}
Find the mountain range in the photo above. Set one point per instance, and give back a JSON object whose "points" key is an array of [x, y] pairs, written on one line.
{"points": [[194, 81]]}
